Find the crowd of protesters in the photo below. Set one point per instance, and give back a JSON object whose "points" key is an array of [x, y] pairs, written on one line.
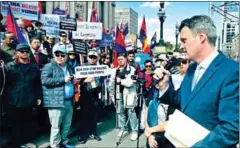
{"points": [[40, 76]]}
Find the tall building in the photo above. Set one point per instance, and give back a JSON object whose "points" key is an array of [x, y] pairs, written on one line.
{"points": [[82, 9], [127, 15], [230, 25]]}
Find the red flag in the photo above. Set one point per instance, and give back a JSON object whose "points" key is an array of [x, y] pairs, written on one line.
{"points": [[115, 59], [94, 17], [39, 9], [66, 9], [120, 44], [13, 27]]}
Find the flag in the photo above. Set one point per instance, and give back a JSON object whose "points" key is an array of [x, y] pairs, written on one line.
{"points": [[13, 27], [154, 40], [113, 34], [94, 17], [143, 37], [39, 9], [115, 59], [125, 30], [66, 9], [120, 44]]}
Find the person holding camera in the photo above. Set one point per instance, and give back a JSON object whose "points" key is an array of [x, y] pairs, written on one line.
{"points": [[209, 93], [126, 96], [58, 91]]}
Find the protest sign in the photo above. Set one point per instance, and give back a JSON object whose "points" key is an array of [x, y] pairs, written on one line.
{"points": [[50, 24], [26, 10], [88, 30], [106, 41], [140, 58], [91, 71], [129, 44], [68, 23], [58, 12], [79, 46]]}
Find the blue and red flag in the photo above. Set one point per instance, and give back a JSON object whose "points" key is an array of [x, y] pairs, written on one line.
{"points": [[13, 27], [39, 9], [143, 37], [113, 34], [94, 16], [120, 44]]}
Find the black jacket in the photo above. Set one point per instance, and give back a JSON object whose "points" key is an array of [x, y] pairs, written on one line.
{"points": [[23, 85]]}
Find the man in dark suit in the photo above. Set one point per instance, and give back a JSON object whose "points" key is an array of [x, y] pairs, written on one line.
{"points": [[37, 56], [209, 93]]}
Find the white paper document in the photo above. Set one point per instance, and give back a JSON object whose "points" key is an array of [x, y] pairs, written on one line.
{"points": [[182, 131]]}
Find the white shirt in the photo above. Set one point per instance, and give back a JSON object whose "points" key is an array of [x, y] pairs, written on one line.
{"points": [[206, 63]]}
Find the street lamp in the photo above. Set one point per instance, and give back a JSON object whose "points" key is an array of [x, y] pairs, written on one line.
{"points": [[176, 33], [162, 17]]}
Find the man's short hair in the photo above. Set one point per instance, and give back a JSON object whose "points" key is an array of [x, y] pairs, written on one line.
{"points": [[159, 60], [6, 33], [34, 38], [201, 23], [148, 61], [131, 52], [62, 32]]}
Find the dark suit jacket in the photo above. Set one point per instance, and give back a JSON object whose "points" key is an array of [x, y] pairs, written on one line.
{"points": [[43, 59], [214, 102]]}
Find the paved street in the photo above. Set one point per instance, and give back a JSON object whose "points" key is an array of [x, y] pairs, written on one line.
{"points": [[107, 132]]}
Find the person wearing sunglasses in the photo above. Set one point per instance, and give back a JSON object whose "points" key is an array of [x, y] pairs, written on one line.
{"points": [[90, 103], [58, 91], [63, 40], [22, 93]]}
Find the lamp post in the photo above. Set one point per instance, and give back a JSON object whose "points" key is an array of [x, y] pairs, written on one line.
{"points": [[162, 17], [176, 33]]}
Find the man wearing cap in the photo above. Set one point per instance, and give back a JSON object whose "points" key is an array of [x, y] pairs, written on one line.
{"points": [[7, 51], [126, 96], [58, 91], [22, 93], [89, 102]]}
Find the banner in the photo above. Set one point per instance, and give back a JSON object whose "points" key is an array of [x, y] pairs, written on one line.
{"points": [[107, 41], [58, 11], [50, 24], [129, 44], [140, 58], [68, 23], [88, 31], [91, 71], [79, 46], [26, 10]]}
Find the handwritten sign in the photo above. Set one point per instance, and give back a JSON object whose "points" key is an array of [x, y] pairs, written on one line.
{"points": [[91, 71], [88, 30], [68, 23], [26, 10]]}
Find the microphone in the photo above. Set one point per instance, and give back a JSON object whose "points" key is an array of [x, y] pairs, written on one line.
{"points": [[171, 63]]}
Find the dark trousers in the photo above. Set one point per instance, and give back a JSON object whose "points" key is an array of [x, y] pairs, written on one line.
{"points": [[21, 126], [89, 117]]}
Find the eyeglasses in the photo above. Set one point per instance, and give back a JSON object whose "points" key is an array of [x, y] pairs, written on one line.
{"points": [[92, 57], [24, 51], [60, 55], [64, 36], [184, 61], [148, 66], [107, 57]]}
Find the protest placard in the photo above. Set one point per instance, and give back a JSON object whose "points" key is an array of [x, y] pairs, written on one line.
{"points": [[79, 46], [26, 10], [91, 71], [106, 41], [58, 11], [50, 24], [68, 23], [88, 30]]}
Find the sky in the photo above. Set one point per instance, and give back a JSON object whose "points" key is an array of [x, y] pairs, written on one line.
{"points": [[175, 12]]}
